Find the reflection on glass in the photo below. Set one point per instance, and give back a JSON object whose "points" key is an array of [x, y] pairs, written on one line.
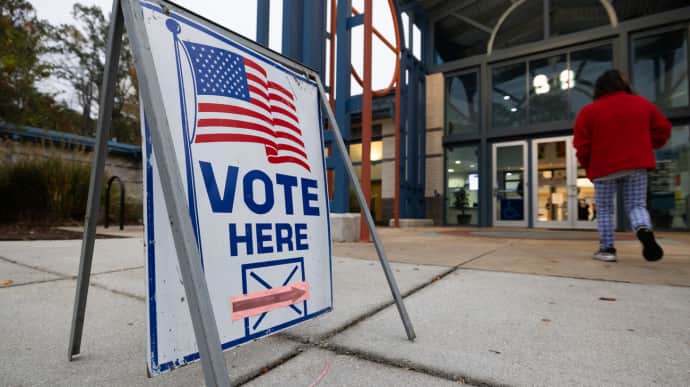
{"points": [[509, 96], [587, 65], [376, 151], [524, 25], [669, 184], [462, 104], [660, 68], [462, 189], [586, 209], [550, 80], [552, 182], [454, 40], [510, 189], [563, 22]]}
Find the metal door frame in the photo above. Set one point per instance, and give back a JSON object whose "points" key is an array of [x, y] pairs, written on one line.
{"points": [[535, 184], [525, 185]]}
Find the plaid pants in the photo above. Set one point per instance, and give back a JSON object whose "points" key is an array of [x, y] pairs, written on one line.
{"points": [[635, 203]]}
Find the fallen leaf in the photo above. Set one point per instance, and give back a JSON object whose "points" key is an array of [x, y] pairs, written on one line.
{"points": [[611, 299], [6, 282]]}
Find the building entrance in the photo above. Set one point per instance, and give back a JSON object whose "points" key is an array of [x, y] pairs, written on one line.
{"points": [[563, 195], [510, 184]]}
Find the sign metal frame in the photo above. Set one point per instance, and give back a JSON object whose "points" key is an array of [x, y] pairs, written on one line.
{"points": [[127, 13]]}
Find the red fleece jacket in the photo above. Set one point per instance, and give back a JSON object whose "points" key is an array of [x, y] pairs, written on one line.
{"points": [[619, 131]]}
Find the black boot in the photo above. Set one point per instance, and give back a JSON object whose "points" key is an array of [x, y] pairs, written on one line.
{"points": [[650, 249]]}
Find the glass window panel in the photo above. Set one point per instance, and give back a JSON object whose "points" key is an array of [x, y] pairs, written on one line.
{"points": [[508, 96], [568, 16], [455, 39], [669, 184], [510, 178], [587, 65], [552, 184], [660, 68], [626, 10], [524, 25], [356, 153], [462, 104], [462, 185], [586, 207], [549, 82]]}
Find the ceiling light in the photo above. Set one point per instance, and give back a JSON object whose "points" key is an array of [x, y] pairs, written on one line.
{"points": [[506, 97], [567, 78], [541, 84], [458, 162], [451, 170], [513, 110]]}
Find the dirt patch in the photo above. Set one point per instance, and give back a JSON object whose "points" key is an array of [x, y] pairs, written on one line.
{"points": [[21, 232]]}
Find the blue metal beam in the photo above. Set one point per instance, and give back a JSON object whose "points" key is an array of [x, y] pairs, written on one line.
{"points": [[355, 21], [314, 35], [293, 29], [263, 12], [340, 202]]}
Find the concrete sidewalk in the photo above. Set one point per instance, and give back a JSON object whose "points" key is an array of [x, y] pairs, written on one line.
{"points": [[489, 308]]}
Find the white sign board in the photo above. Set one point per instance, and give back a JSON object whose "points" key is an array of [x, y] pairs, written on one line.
{"points": [[247, 134]]}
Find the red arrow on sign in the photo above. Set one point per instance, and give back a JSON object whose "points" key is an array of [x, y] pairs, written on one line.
{"points": [[256, 303]]}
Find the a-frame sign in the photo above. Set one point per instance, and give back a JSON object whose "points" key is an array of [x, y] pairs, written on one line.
{"points": [[237, 227]]}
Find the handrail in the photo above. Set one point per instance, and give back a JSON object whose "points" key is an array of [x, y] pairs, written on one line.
{"points": [[122, 202]]}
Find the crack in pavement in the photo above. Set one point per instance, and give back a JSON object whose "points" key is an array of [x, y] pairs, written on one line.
{"points": [[306, 342], [62, 275]]}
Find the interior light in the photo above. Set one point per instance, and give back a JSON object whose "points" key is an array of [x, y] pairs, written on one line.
{"points": [[509, 174], [513, 110], [451, 170], [541, 84], [458, 162], [375, 155], [567, 78], [506, 97]]}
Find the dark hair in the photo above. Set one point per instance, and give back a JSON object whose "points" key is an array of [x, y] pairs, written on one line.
{"points": [[610, 82]]}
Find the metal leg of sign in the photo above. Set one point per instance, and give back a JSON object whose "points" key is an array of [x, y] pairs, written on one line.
{"points": [[189, 259], [95, 184], [370, 221]]}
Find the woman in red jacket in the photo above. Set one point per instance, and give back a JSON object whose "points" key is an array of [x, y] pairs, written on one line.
{"points": [[615, 138]]}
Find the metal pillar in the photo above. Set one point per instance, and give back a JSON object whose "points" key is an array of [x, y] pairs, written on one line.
{"points": [[293, 29], [263, 20], [367, 100], [314, 36], [370, 220], [206, 332], [93, 203], [342, 187]]}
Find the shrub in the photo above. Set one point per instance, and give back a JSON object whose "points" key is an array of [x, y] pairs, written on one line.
{"points": [[43, 191]]}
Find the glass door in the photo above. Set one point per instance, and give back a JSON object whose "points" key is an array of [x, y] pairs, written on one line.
{"points": [[510, 184], [550, 161], [564, 196], [582, 192]]}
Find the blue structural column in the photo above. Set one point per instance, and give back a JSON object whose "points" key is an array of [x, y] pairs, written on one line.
{"points": [[412, 125], [263, 12], [293, 29], [340, 202], [314, 41]]}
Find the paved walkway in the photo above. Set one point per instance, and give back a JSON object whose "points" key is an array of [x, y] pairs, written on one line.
{"points": [[489, 308]]}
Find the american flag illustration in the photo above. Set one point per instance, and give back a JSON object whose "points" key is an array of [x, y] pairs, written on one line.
{"points": [[237, 102]]}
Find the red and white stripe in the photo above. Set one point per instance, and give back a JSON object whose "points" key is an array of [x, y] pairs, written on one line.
{"points": [[269, 118]]}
